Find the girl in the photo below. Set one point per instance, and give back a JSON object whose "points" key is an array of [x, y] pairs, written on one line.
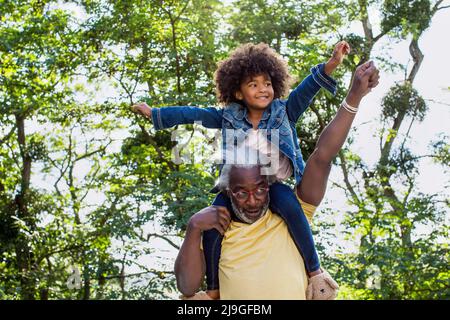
{"points": [[250, 84]]}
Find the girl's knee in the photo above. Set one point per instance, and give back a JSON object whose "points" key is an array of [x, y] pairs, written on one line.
{"points": [[221, 200]]}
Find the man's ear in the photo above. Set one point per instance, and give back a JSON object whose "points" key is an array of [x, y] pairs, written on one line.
{"points": [[239, 95]]}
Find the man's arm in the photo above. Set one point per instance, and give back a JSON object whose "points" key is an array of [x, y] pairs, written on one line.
{"points": [[167, 117], [301, 97], [313, 186], [190, 263]]}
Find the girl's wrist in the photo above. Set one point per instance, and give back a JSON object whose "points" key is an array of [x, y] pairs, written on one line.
{"points": [[330, 66]]}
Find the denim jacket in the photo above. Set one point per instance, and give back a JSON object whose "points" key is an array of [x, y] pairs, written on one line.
{"points": [[281, 114]]}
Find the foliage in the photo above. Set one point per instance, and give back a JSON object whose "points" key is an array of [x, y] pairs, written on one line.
{"points": [[403, 98], [86, 184]]}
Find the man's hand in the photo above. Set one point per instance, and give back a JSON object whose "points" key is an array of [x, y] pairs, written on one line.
{"points": [[211, 217], [322, 287], [201, 295], [365, 78], [143, 109], [341, 49]]}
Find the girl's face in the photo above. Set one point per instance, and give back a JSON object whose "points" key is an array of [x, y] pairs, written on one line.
{"points": [[256, 92]]}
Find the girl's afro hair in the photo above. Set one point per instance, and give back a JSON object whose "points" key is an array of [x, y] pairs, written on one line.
{"points": [[249, 60]]}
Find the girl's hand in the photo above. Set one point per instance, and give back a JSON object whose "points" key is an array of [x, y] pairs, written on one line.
{"points": [[341, 49], [143, 109]]}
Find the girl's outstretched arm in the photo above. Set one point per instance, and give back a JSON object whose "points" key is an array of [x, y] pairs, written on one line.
{"points": [[163, 118], [302, 96]]}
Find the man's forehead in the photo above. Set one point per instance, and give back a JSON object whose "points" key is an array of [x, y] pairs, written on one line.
{"points": [[246, 176]]}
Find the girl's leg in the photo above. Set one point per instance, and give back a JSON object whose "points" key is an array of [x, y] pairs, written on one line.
{"points": [[212, 247], [284, 202]]}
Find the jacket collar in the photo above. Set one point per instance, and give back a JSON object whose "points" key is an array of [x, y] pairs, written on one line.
{"points": [[236, 111], [277, 115]]}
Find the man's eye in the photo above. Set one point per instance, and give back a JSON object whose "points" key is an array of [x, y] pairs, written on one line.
{"points": [[242, 194], [260, 191]]}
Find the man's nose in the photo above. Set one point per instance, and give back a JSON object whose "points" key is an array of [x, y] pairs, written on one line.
{"points": [[251, 199]]}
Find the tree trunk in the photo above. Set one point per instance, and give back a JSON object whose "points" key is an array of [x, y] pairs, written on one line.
{"points": [[22, 248]]}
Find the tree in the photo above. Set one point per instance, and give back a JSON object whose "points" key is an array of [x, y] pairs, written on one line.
{"points": [[40, 51], [161, 52], [86, 185], [388, 208]]}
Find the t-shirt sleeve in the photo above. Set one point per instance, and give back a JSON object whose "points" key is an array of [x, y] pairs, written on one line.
{"points": [[308, 209]]}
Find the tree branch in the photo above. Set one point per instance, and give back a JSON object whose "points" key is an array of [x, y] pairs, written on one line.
{"points": [[417, 56], [436, 7], [10, 133], [365, 21], [149, 139], [438, 102], [155, 272], [87, 155], [319, 117], [346, 177], [155, 235], [443, 7]]}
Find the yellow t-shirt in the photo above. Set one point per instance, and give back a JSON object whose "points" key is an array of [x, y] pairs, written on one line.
{"points": [[260, 261]]}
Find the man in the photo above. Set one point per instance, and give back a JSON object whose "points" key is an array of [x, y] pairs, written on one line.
{"points": [[259, 259]]}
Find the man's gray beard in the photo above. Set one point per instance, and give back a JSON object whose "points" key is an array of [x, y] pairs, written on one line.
{"points": [[243, 217]]}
